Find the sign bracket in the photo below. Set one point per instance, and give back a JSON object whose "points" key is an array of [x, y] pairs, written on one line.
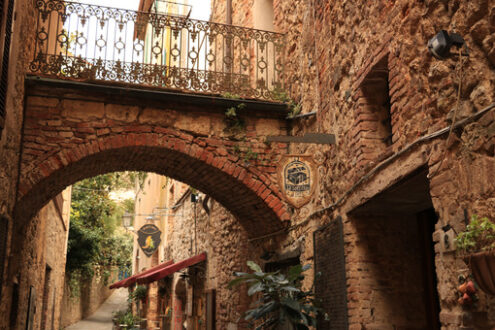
{"points": [[317, 138]]}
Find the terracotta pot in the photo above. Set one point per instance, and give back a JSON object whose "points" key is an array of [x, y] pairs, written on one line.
{"points": [[482, 265]]}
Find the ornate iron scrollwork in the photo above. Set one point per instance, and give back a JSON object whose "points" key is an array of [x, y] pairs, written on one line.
{"points": [[82, 41]]}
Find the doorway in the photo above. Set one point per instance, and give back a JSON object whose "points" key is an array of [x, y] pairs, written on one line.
{"points": [[393, 253], [426, 226]]}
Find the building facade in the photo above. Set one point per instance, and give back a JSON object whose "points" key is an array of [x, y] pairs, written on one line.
{"points": [[38, 277], [412, 162], [201, 234], [399, 184]]}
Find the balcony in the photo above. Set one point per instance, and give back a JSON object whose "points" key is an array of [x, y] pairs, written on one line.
{"points": [[82, 42]]}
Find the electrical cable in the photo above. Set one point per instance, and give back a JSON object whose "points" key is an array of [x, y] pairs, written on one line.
{"points": [[381, 165], [454, 118]]}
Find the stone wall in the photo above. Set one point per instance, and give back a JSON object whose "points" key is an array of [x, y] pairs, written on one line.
{"points": [[220, 235], [21, 52], [365, 69], [40, 264], [88, 297]]}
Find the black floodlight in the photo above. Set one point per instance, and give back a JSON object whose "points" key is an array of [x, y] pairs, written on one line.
{"points": [[440, 44]]}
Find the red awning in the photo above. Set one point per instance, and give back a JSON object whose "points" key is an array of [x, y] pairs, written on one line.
{"points": [[161, 273], [118, 284], [127, 282]]}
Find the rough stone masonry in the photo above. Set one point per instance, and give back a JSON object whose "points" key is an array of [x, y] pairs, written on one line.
{"points": [[364, 68]]}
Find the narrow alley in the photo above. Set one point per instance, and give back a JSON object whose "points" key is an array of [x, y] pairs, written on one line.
{"points": [[102, 318], [247, 164]]}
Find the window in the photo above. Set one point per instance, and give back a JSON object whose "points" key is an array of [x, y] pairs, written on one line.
{"points": [[372, 127], [282, 265], [14, 306], [46, 296], [6, 18]]}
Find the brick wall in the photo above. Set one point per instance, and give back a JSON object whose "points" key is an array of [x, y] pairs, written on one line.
{"points": [[68, 140], [225, 241], [385, 274]]}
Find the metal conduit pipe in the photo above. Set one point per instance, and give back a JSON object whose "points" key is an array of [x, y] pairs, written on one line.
{"points": [[229, 12]]}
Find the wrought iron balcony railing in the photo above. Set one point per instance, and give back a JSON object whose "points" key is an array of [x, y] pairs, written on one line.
{"points": [[88, 42]]}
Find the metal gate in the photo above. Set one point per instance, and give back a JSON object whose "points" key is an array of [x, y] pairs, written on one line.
{"points": [[330, 285]]}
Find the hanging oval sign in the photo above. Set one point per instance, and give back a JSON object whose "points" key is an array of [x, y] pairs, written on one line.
{"points": [[149, 238], [297, 178]]}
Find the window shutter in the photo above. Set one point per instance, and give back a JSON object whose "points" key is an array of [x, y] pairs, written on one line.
{"points": [[5, 59], [4, 230], [331, 287]]}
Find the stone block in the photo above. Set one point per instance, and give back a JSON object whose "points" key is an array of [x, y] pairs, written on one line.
{"points": [[84, 110], [121, 113], [158, 117], [447, 317]]}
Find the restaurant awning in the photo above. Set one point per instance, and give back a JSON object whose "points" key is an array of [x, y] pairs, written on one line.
{"points": [[161, 273], [127, 282]]}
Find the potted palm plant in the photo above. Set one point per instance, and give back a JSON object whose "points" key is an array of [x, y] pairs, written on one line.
{"points": [[477, 245], [282, 303]]}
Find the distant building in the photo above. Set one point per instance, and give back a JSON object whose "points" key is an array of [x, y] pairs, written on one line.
{"points": [[191, 267]]}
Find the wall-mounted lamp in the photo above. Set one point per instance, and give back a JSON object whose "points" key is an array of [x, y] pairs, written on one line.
{"points": [[127, 220], [439, 46]]}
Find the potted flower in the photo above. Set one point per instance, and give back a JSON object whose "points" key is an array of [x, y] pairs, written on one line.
{"points": [[477, 245]]}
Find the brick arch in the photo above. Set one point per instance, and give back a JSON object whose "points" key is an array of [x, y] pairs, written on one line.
{"points": [[244, 190]]}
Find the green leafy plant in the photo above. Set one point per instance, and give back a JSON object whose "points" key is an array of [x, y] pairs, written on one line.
{"points": [[231, 96], [96, 242], [125, 319], [282, 96], [282, 304], [106, 276], [139, 293], [478, 236], [250, 155], [235, 124]]}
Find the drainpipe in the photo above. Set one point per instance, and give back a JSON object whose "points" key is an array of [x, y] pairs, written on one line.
{"points": [[229, 12]]}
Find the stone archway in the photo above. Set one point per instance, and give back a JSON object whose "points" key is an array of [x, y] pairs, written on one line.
{"points": [[69, 135], [238, 189]]}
